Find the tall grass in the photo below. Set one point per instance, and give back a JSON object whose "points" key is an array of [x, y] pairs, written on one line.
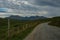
{"points": [[18, 29]]}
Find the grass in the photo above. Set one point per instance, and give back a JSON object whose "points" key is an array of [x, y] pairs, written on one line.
{"points": [[55, 21], [18, 29], [24, 30], [22, 35]]}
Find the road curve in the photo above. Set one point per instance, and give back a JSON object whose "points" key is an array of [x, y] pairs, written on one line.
{"points": [[44, 32]]}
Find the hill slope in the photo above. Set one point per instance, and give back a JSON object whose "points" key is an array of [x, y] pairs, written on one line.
{"points": [[55, 21], [18, 29]]}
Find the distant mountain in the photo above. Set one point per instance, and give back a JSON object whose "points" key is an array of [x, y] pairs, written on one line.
{"points": [[26, 18]]}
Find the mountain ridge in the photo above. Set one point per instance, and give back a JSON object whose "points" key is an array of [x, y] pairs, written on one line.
{"points": [[26, 18]]}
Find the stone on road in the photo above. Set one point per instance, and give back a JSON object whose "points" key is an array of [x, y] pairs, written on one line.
{"points": [[44, 32]]}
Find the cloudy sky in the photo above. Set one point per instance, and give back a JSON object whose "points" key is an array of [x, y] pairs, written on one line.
{"points": [[47, 8]]}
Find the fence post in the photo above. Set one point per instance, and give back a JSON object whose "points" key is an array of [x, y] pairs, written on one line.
{"points": [[26, 26]]}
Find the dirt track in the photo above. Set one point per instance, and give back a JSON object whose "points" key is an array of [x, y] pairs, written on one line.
{"points": [[44, 32]]}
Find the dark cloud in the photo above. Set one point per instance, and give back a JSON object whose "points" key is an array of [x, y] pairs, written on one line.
{"points": [[48, 8], [7, 4], [55, 3]]}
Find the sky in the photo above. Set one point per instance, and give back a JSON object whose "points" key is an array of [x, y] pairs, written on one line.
{"points": [[47, 8]]}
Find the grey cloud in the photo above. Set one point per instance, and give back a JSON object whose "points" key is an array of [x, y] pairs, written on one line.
{"points": [[51, 6], [23, 6], [53, 11], [55, 3]]}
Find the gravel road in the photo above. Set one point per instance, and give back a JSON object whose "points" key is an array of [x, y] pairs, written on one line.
{"points": [[44, 32]]}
